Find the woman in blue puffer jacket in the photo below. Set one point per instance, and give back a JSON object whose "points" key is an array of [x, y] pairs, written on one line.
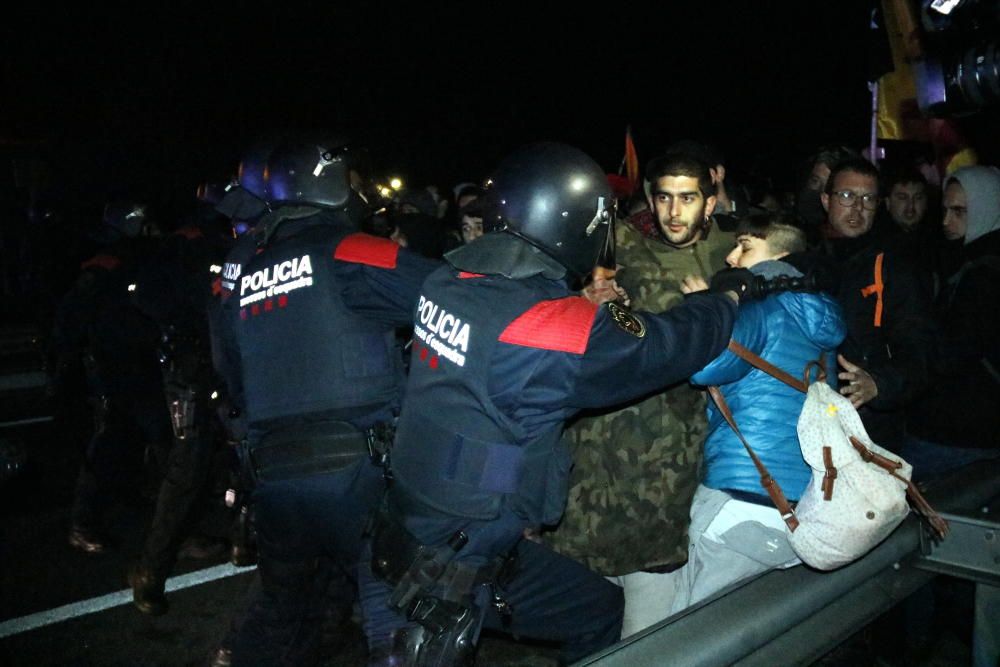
{"points": [[736, 532]]}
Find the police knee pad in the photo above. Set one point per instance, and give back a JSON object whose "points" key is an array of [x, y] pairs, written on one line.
{"points": [[446, 635]]}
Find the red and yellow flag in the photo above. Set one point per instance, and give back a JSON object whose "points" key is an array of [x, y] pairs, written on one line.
{"points": [[631, 160], [899, 117]]}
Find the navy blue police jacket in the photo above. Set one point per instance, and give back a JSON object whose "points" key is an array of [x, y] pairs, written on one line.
{"points": [[98, 317], [307, 326], [499, 364]]}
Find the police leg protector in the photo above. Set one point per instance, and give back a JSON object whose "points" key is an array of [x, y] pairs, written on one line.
{"points": [[279, 628], [433, 590], [446, 635]]}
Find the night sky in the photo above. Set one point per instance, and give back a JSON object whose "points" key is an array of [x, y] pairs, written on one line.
{"points": [[158, 101]]}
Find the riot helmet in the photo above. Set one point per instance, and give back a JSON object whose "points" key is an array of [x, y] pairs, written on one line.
{"points": [[556, 198], [250, 173], [125, 216], [210, 193], [321, 172], [244, 197]]}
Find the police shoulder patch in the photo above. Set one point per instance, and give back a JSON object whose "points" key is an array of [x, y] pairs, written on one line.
{"points": [[625, 320], [106, 262], [562, 325], [367, 249]]}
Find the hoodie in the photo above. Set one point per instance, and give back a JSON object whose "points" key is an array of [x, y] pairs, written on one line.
{"points": [[982, 193], [962, 405]]}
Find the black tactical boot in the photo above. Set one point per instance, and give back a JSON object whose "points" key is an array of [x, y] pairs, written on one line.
{"points": [[87, 540], [244, 549], [147, 591]]}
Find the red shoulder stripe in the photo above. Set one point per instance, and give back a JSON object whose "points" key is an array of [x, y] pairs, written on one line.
{"points": [[562, 325], [366, 249], [106, 262], [189, 232], [465, 275]]}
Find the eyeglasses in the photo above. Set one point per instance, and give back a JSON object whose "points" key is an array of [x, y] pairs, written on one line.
{"points": [[847, 198]]}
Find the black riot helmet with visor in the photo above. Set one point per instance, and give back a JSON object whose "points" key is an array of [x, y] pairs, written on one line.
{"points": [[126, 217], [556, 198], [328, 172], [245, 197], [250, 173]]}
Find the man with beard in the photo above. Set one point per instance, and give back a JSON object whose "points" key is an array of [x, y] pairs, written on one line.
{"points": [[507, 353], [889, 331], [910, 230], [636, 467]]}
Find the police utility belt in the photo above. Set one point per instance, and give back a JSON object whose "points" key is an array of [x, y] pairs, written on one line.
{"points": [[314, 449]]}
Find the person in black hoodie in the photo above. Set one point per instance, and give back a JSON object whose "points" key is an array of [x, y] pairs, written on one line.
{"points": [[909, 226], [884, 358], [957, 421]]}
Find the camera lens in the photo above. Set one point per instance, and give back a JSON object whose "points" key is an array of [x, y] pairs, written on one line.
{"points": [[963, 82], [975, 78]]}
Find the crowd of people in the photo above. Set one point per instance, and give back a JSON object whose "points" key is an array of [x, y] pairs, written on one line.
{"points": [[488, 409]]}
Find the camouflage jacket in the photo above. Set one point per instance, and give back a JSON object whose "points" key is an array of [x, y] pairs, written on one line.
{"points": [[636, 468]]}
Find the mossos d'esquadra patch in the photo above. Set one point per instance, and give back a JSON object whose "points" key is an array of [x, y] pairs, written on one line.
{"points": [[625, 320]]}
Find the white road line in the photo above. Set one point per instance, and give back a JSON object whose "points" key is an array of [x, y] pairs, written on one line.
{"points": [[32, 621], [22, 422]]}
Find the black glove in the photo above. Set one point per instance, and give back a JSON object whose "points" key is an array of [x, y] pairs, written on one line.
{"points": [[746, 285]]}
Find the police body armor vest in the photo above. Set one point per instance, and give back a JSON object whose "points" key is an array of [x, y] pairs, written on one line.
{"points": [[302, 350], [455, 451]]}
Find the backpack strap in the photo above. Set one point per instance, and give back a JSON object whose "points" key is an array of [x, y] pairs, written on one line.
{"points": [[831, 473], [757, 362], [769, 483], [937, 522]]}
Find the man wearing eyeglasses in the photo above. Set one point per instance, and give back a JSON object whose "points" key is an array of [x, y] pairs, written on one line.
{"points": [[884, 359]]}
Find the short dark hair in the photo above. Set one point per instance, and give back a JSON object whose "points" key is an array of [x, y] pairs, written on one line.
{"points": [[904, 175], [682, 164], [705, 152], [777, 228], [832, 155], [858, 165]]}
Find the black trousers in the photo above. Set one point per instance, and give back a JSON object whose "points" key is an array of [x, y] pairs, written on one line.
{"points": [[308, 531]]}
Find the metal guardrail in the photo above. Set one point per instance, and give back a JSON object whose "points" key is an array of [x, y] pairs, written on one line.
{"points": [[795, 616]]}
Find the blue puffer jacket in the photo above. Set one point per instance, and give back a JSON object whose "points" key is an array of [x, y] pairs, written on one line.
{"points": [[789, 330]]}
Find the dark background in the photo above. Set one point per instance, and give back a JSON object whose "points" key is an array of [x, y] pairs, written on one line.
{"points": [[155, 101]]}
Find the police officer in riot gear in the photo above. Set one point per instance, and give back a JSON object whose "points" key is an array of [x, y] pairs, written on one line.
{"points": [[245, 199], [98, 328], [310, 362], [244, 202], [505, 352], [174, 289]]}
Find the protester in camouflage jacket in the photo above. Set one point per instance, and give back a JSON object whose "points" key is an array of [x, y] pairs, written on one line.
{"points": [[637, 468]]}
